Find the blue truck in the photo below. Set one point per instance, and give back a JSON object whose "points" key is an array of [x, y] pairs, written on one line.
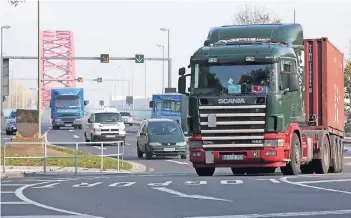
{"points": [[172, 106], [67, 107]]}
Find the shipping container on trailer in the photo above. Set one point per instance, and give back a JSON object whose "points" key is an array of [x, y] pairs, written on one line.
{"points": [[324, 84]]}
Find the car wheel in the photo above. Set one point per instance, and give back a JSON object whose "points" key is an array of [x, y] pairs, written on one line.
{"points": [[139, 152]]}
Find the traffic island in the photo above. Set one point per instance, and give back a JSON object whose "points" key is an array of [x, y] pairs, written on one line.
{"points": [[58, 160]]}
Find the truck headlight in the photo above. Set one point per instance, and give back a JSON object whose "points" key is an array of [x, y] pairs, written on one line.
{"points": [[57, 120], [274, 143], [181, 143]]}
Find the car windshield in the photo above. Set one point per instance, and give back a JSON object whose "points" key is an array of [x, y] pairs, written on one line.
{"points": [[165, 132], [125, 114], [233, 79], [67, 101], [107, 117]]}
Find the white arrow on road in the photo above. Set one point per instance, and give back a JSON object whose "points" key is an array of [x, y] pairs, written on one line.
{"points": [[75, 136], [179, 194]]}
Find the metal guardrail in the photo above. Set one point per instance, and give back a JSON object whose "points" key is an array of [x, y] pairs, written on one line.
{"points": [[119, 154]]}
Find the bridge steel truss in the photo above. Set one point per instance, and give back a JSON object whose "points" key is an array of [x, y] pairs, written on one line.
{"points": [[56, 72]]}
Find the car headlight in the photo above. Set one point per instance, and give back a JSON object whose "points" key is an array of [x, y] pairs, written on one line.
{"points": [[274, 143], [154, 143], [181, 143]]}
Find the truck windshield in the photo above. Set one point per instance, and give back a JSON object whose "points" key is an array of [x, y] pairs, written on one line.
{"points": [[107, 117], [234, 79], [67, 101], [168, 105], [13, 115]]}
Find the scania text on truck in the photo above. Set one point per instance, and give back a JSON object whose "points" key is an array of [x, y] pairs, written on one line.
{"points": [[262, 97], [67, 107]]}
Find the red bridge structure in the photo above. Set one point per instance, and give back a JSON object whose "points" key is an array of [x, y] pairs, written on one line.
{"points": [[56, 73]]}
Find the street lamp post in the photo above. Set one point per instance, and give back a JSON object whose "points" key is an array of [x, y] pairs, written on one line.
{"points": [[122, 87], [163, 67], [169, 65], [39, 75], [2, 63]]}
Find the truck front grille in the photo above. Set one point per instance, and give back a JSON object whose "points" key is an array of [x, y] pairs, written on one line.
{"points": [[232, 126]]}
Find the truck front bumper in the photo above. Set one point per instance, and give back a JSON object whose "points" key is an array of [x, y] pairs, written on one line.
{"points": [[67, 122], [263, 157]]}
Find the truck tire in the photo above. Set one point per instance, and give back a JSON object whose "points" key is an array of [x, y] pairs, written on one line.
{"points": [[322, 165], [80, 127], [307, 168], [238, 171], [334, 151], [341, 155], [54, 127], [205, 171], [148, 154], [293, 167], [86, 139], [8, 132]]}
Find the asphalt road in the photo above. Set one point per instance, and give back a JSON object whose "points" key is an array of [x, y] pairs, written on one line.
{"points": [[173, 190]]}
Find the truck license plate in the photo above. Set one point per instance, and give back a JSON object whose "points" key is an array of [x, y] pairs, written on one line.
{"points": [[68, 124], [169, 149], [110, 136], [233, 157]]}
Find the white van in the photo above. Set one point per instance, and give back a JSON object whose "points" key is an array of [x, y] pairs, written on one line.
{"points": [[104, 126]]}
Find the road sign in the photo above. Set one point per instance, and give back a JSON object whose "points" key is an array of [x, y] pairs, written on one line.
{"points": [[101, 102], [104, 58], [5, 79], [129, 100], [80, 79], [99, 80], [139, 58]]}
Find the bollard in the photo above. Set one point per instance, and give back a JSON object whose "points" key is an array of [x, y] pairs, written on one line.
{"points": [[102, 157], [123, 153], [3, 163], [118, 158], [76, 160], [45, 157]]}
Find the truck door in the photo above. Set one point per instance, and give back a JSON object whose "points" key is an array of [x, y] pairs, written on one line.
{"points": [[291, 102]]}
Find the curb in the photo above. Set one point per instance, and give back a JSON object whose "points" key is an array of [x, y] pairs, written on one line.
{"points": [[12, 175]]}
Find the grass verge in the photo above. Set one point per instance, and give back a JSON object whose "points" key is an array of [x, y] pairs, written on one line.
{"points": [[84, 160]]}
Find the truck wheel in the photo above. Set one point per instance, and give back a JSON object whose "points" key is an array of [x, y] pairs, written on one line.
{"points": [[80, 127], [139, 152], [205, 171], [341, 155], [238, 171], [322, 165], [334, 150], [54, 127], [307, 168], [183, 156], [8, 132], [293, 167]]}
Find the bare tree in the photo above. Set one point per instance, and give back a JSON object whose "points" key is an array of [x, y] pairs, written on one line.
{"points": [[254, 15], [15, 2]]}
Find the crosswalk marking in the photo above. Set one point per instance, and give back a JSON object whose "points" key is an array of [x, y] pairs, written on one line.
{"points": [[14, 202]]}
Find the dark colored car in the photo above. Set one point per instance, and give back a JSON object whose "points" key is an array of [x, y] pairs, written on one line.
{"points": [[161, 137]]}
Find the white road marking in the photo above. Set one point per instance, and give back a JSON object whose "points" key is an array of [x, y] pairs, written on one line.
{"points": [[52, 185], [99, 147], [122, 184], [348, 164], [13, 184], [272, 180], [7, 192], [285, 179], [20, 195], [14, 202], [324, 181], [182, 195], [50, 216], [75, 136], [6, 138], [127, 144], [71, 130], [231, 182], [195, 182], [347, 157], [288, 214], [86, 185], [178, 162]]}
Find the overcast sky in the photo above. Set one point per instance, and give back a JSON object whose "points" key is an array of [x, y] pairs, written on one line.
{"points": [[124, 28]]}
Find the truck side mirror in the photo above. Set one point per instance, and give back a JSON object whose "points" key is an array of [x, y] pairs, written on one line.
{"points": [[86, 102], [181, 71], [294, 82], [181, 84], [89, 120], [151, 104]]}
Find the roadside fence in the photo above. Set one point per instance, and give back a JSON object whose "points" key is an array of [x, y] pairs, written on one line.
{"points": [[76, 156]]}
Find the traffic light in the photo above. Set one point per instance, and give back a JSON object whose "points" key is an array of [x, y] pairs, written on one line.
{"points": [[80, 79], [99, 80]]}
